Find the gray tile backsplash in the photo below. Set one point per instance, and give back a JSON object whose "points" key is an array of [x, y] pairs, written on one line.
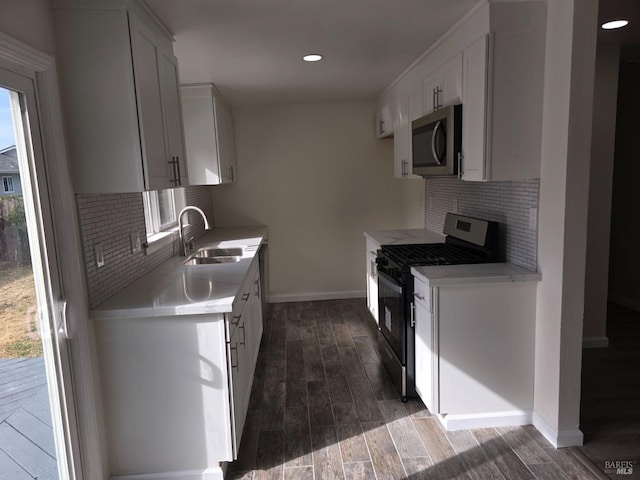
{"points": [[109, 220], [508, 203]]}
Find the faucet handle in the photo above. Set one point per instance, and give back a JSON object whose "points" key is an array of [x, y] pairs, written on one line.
{"points": [[189, 243]]}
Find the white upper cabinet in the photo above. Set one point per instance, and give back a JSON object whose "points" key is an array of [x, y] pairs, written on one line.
{"points": [[209, 136], [476, 100], [409, 107], [444, 86], [383, 122], [492, 63], [503, 94], [119, 85]]}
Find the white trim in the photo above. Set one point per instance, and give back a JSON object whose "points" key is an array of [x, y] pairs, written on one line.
{"points": [[485, 420], [558, 438], [313, 296], [625, 302], [595, 342], [212, 473], [24, 59]]}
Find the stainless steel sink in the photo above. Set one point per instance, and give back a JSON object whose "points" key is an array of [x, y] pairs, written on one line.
{"points": [[195, 260], [219, 252]]}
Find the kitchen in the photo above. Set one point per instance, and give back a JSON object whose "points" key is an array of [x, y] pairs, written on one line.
{"points": [[335, 187]]}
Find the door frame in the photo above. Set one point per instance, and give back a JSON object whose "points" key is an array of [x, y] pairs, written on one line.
{"points": [[26, 60]]}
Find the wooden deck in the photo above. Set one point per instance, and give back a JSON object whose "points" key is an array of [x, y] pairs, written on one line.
{"points": [[27, 450]]}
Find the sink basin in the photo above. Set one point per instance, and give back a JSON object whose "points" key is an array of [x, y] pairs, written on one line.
{"points": [[219, 252], [196, 260]]}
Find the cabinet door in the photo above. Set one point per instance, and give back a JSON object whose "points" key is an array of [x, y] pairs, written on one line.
{"points": [[150, 117], [172, 114], [230, 157], [201, 136], [430, 89], [237, 358], [401, 137], [451, 72], [424, 355], [383, 122], [475, 110], [408, 108]]}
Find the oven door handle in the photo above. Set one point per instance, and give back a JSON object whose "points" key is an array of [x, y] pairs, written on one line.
{"points": [[389, 282]]}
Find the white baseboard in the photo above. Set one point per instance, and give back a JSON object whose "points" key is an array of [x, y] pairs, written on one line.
{"points": [[595, 342], [212, 473], [486, 420], [558, 438], [625, 302], [312, 296]]}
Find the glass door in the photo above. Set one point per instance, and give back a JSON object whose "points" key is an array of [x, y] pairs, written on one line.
{"points": [[35, 254]]}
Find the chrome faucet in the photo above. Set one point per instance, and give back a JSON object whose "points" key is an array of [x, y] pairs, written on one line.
{"points": [[185, 243]]}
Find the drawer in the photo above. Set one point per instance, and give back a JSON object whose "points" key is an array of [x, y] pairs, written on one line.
{"points": [[422, 294]]}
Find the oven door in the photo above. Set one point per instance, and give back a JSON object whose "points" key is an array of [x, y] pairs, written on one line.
{"points": [[392, 314]]}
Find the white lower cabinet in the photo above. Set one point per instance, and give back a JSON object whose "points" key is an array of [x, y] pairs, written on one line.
{"points": [[475, 352], [176, 389], [245, 325], [372, 278]]}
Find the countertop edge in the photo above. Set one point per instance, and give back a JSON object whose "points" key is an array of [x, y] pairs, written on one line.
{"points": [[449, 275]]}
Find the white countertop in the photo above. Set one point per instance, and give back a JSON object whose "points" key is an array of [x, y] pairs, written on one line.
{"points": [[405, 237], [176, 289], [442, 275]]}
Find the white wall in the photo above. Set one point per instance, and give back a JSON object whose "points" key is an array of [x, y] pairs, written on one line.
{"points": [[564, 180], [316, 177], [600, 190], [29, 21]]}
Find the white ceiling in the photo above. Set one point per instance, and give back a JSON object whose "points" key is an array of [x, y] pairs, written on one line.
{"points": [[252, 49]]}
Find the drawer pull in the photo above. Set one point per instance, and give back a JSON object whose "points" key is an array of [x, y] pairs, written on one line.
{"points": [[418, 295], [231, 350], [245, 296], [237, 320]]}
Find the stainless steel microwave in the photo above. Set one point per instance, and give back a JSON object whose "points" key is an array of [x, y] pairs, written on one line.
{"points": [[436, 141]]}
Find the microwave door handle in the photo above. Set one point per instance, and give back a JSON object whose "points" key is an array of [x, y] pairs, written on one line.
{"points": [[433, 143]]}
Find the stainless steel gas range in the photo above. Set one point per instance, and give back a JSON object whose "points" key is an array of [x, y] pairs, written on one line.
{"points": [[468, 240]]}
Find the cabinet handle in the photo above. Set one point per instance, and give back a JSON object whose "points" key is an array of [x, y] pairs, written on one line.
{"points": [[257, 284], [374, 270], [178, 174], [231, 172], [237, 318], [245, 296], [174, 179], [460, 165], [418, 295], [438, 92], [244, 335], [413, 315], [381, 126], [405, 169], [434, 100], [231, 350]]}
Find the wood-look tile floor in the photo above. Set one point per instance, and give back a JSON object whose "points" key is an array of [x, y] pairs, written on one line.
{"points": [[323, 407]]}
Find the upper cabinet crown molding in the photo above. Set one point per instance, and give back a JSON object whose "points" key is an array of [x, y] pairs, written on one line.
{"points": [[120, 90], [492, 61]]}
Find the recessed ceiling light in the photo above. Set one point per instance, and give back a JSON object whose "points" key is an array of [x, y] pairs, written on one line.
{"points": [[313, 57], [615, 24]]}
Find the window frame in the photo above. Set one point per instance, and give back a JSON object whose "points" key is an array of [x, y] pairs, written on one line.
{"points": [[5, 183], [155, 230]]}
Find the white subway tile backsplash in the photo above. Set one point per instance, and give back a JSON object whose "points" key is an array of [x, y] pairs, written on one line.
{"points": [[109, 220], [507, 203]]}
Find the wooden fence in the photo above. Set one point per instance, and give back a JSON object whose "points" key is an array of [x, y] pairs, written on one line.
{"points": [[14, 241]]}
